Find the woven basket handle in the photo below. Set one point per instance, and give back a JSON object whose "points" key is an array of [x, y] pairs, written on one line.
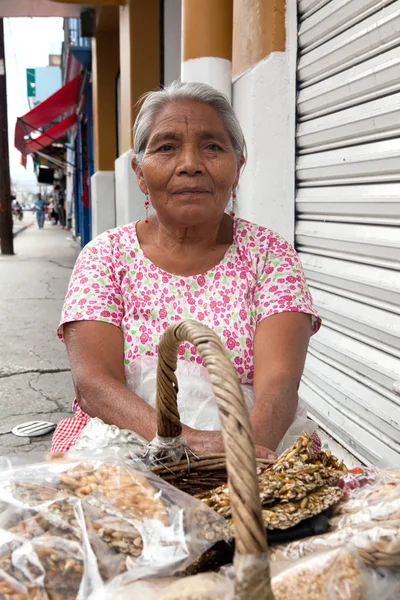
{"points": [[250, 581]]}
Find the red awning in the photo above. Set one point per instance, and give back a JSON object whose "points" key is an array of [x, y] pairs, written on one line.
{"points": [[61, 102], [51, 135]]}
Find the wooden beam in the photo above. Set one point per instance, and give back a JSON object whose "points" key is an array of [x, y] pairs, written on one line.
{"points": [[95, 2], [207, 29], [105, 66], [259, 29], [139, 59], [107, 18], [39, 8]]}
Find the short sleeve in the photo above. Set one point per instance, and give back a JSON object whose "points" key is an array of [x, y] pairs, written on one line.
{"points": [[281, 284], [93, 292]]}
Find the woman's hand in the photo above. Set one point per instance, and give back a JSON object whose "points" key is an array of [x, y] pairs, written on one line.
{"points": [[209, 442]]}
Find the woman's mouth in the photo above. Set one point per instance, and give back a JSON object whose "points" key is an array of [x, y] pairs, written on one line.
{"points": [[190, 191]]}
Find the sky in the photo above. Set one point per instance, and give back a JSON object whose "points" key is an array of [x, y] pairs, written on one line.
{"points": [[28, 43]]}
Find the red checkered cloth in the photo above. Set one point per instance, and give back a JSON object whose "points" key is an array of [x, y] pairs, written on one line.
{"points": [[68, 431]]}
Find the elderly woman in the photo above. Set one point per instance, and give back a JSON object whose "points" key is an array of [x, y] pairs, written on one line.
{"points": [[189, 259]]}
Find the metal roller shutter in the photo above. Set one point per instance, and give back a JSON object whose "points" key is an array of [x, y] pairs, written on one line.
{"points": [[348, 218]]}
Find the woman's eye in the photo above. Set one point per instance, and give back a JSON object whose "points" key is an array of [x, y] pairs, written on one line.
{"points": [[213, 147], [165, 148]]}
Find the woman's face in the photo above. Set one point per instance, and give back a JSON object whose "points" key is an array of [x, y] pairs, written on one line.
{"points": [[189, 167]]}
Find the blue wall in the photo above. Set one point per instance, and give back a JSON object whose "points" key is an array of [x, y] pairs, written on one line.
{"points": [[83, 172]]}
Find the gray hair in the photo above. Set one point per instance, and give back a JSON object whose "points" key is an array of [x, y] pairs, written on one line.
{"points": [[154, 101]]}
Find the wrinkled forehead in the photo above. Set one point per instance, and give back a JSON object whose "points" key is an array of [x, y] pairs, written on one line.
{"points": [[188, 117]]}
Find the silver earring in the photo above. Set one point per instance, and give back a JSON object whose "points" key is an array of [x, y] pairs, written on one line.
{"points": [[233, 199], [147, 206]]}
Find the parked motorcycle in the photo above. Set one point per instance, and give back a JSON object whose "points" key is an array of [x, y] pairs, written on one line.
{"points": [[18, 212]]}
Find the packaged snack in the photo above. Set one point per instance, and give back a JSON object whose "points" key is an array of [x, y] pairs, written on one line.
{"points": [[68, 526], [386, 510], [366, 487], [336, 574], [378, 545]]}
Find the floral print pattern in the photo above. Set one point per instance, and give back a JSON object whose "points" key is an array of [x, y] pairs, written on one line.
{"points": [[260, 275]]}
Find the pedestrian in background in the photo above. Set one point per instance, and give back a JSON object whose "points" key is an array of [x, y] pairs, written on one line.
{"points": [[59, 202], [40, 205], [53, 214]]}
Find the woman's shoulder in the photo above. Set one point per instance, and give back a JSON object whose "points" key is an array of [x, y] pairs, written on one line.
{"points": [[116, 237], [259, 239]]}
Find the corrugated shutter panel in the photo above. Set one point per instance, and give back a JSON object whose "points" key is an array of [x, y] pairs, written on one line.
{"points": [[348, 218]]}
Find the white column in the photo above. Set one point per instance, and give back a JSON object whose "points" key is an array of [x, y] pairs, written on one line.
{"points": [[207, 43], [103, 201], [139, 39], [212, 70], [266, 110], [264, 99], [129, 200], [172, 40]]}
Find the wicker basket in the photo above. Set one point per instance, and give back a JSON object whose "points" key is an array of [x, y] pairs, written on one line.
{"points": [[193, 474], [252, 578]]}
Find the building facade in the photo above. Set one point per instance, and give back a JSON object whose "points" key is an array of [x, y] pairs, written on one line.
{"points": [[42, 82]]}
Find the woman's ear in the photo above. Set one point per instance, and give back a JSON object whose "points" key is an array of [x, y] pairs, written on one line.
{"points": [[241, 164], [139, 174]]}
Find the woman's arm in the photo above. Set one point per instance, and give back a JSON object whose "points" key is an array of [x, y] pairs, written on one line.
{"points": [[280, 349], [96, 354]]}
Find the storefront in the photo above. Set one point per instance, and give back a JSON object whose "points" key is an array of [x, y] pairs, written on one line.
{"points": [[77, 60], [348, 217]]}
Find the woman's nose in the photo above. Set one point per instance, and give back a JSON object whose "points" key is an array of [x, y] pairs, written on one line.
{"points": [[190, 161]]}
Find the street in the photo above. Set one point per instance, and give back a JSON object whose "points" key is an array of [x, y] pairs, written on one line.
{"points": [[35, 381]]}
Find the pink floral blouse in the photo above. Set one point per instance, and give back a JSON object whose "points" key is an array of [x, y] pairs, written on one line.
{"points": [[260, 275]]}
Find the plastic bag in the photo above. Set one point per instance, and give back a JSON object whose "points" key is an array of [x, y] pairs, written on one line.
{"points": [[357, 478], [67, 527], [368, 487], [205, 586], [377, 544], [386, 510], [97, 435], [371, 496], [334, 575], [197, 405]]}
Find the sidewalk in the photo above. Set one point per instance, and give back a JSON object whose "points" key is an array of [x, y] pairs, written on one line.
{"points": [[35, 382], [20, 226]]}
